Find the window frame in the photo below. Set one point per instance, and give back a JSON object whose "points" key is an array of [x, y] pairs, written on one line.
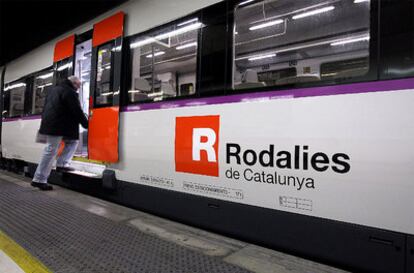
{"points": [[28, 96], [371, 75], [29, 81], [227, 83], [29, 112], [129, 60], [5, 97], [25, 80], [57, 64], [396, 42], [94, 74]]}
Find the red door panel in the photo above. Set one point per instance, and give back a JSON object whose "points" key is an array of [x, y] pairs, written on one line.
{"points": [[104, 121], [103, 134], [64, 48], [108, 29]]}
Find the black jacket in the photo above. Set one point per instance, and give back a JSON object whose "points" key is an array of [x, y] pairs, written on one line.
{"points": [[62, 112]]}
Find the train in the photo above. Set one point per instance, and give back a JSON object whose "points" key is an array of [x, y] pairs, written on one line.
{"points": [[288, 124]]}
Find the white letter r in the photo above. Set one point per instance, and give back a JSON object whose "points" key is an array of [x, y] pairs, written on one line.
{"points": [[206, 146]]}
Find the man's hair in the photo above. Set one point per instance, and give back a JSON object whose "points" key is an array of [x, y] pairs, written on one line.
{"points": [[73, 79]]}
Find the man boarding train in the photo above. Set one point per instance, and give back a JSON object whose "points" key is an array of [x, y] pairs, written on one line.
{"points": [[60, 122]]}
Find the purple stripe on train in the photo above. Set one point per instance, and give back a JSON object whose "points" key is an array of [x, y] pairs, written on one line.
{"points": [[23, 118], [366, 87]]}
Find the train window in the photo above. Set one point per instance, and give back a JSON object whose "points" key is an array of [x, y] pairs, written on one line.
{"points": [[42, 82], [104, 93], [164, 62], [397, 39], [63, 69], [279, 42], [213, 73], [6, 104], [15, 95]]}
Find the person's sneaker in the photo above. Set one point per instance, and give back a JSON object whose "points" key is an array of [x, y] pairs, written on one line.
{"points": [[45, 187], [65, 169], [35, 184], [42, 186]]}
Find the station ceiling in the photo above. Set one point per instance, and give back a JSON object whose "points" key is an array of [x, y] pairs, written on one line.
{"points": [[27, 24]]}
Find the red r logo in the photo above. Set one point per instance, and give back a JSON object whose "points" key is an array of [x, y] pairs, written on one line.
{"points": [[196, 145]]}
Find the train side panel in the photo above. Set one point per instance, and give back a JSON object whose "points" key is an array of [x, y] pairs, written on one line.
{"points": [[358, 149], [18, 140]]}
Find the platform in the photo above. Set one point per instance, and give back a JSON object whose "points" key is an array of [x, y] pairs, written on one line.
{"points": [[68, 232]]}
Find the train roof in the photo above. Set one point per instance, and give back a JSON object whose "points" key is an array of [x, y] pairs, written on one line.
{"points": [[140, 16]]}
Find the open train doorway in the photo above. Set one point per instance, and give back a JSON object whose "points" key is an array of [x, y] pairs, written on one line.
{"points": [[83, 59]]}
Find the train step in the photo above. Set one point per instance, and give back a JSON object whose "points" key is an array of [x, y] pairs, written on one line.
{"points": [[87, 169]]}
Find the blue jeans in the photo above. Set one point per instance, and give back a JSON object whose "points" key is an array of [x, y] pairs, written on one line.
{"points": [[49, 154]]}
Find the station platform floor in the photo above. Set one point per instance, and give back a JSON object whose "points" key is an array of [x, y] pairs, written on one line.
{"points": [[68, 232]]}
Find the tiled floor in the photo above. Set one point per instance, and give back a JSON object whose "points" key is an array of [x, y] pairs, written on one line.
{"points": [[73, 232]]}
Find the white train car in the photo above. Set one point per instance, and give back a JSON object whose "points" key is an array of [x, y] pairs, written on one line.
{"points": [[284, 123]]}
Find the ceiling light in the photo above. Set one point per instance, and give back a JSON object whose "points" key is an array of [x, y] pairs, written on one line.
{"points": [[65, 66], [142, 42], [261, 57], [313, 12], [186, 45], [45, 76], [116, 49], [155, 94], [14, 86], [159, 53], [245, 2], [350, 40], [267, 24], [45, 85], [178, 31], [189, 21], [360, 1], [162, 36]]}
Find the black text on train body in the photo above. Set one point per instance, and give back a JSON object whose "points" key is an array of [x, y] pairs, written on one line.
{"points": [[301, 159]]}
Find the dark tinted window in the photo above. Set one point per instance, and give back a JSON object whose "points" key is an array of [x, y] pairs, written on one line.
{"points": [[214, 74], [397, 39]]}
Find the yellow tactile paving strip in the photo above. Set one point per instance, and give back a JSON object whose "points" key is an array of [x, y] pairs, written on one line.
{"points": [[83, 159], [20, 256]]}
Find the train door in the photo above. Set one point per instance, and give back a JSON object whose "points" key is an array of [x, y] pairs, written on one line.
{"points": [[63, 58], [83, 54], [105, 89]]}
